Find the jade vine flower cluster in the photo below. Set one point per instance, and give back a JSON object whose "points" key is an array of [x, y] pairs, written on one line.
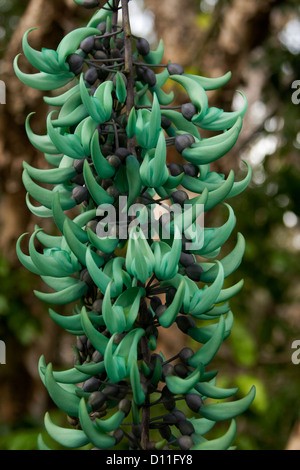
{"points": [[107, 139]]}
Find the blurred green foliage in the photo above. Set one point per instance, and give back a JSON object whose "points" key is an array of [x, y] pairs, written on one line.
{"points": [[10, 13]]}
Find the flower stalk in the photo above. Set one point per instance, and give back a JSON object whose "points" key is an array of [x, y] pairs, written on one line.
{"points": [[127, 272]]}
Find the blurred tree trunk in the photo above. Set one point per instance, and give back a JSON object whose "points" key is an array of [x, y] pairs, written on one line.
{"points": [[20, 387], [53, 20]]}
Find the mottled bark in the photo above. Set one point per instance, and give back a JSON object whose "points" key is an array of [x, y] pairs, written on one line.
{"points": [[52, 19], [21, 390]]}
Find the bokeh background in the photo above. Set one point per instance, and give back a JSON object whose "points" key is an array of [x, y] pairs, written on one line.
{"points": [[259, 42]]}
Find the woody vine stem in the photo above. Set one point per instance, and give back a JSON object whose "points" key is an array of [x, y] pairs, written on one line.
{"points": [[131, 146], [128, 65]]}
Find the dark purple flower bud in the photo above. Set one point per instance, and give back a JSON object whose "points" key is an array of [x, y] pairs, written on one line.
{"points": [[96, 400], [185, 442], [91, 385], [194, 402], [184, 323], [76, 63], [175, 69], [186, 259], [87, 45], [179, 197], [80, 194], [183, 141], [190, 169], [194, 272], [91, 75], [185, 354], [142, 46], [188, 110], [175, 169], [149, 77]]}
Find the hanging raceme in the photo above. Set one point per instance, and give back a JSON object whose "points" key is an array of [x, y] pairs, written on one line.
{"points": [[127, 273]]}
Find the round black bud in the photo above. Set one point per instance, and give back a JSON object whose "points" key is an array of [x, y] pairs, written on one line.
{"points": [[114, 161], [175, 169], [80, 194], [91, 75], [190, 169], [179, 197], [170, 419], [102, 27], [169, 403], [96, 400], [125, 406], [140, 72], [160, 310], [188, 110], [183, 141], [89, 4], [92, 225], [184, 323], [185, 442], [179, 415], [100, 55], [194, 272], [167, 370], [149, 77], [81, 343], [181, 370], [119, 43], [98, 46], [165, 122], [76, 63], [106, 183], [118, 434], [87, 45], [115, 53], [86, 277], [186, 428], [151, 331], [113, 191], [97, 357], [170, 294], [175, 69], [155, 302], [110, 390], [193, 401], [97, 306], [78, 179], [185, 354], [122, 153], [91, 385], [102, 72], [78, 165], [143, 46], [165, 432], [186, 259]]}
